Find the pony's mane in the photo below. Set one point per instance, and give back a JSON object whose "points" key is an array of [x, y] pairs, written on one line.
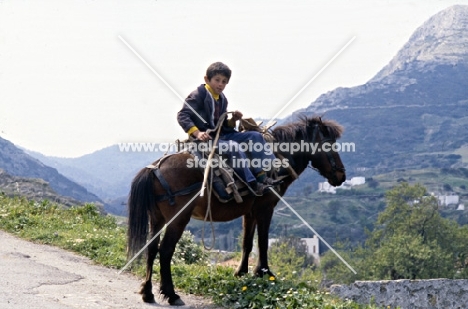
{"points": [[334, 127], [297, 130]]}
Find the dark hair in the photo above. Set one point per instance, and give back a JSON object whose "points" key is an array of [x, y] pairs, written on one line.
{"points": [[218, 68]]}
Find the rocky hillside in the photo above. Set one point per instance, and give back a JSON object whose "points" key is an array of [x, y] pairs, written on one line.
{"points": [[442, 40], [33, 189], [107, 172], [413, 113], [16, 162]]}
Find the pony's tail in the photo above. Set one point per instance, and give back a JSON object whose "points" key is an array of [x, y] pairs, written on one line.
{"points": [[140, 200]]}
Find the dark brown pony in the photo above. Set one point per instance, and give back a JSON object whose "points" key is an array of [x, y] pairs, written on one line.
{"points": [[145, 206]]}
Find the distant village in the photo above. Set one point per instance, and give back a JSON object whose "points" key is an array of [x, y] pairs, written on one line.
{"points": [[448, 201], [348, 184]]}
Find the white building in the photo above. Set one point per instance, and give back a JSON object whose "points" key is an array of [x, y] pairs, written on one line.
{"points": [[356, 181], [312, 244], [348, 184], [326, 187], [313, 247], [446, 200]]}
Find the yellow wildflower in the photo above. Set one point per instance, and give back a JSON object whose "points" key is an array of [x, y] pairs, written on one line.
{"points": [[272, 278], [244, 288]]}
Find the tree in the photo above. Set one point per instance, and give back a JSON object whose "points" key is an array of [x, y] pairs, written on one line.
{"points": [[334, 207], [406, 256], [335, 271], [372, 183], [410, 240], [289, 255]]}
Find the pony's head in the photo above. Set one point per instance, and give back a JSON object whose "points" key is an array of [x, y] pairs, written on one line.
{"points": [[324, 157], [315, 141]]}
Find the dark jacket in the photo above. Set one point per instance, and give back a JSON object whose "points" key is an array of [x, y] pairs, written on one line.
{"points": [[203, 104]]}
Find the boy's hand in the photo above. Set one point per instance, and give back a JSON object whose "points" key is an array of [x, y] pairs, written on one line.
{"points": [[203, 136], [236, 115]]}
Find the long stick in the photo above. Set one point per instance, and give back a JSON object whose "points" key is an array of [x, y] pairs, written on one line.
{"points": [[208, 165], [210, 157]]}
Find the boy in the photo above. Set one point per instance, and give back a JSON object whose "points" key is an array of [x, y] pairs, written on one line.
{"points": [[206, 104]]}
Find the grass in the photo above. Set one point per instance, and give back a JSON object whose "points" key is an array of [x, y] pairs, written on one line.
{"points": [[435, 180], [85, 231], [80, 229], [253, 292]]}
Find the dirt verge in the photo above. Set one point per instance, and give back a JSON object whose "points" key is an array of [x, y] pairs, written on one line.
{"points": [[41, 276]]}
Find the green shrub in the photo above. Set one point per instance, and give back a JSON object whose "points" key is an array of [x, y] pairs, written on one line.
{"points": [[189, 252]]}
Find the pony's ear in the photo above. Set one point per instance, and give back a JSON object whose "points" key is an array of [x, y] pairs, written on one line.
{"points": [[320, 119]]}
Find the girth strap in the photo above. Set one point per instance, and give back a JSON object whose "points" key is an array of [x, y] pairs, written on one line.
{"points": [[169, 194]]}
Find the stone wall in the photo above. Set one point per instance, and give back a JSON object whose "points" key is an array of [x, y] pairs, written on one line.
{"points": [[407, 294]]}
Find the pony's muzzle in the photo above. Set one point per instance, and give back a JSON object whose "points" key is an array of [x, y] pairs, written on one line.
{"points": [[337, 179]]}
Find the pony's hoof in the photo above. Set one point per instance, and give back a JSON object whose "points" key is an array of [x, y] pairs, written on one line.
{"points": [[262, 272], [148, 298], [240, 273], [177, 302]]}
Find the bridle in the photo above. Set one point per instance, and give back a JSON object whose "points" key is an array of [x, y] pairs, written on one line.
{"points": [[330, 157]]}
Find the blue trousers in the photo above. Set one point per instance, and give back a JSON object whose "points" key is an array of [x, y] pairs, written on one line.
{"points": [[249, 163]]}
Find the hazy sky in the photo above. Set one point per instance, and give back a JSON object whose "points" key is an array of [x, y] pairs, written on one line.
{"points": [[70, 86]]}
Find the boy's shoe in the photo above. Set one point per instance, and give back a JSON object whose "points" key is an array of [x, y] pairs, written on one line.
{"points": [[261, 188], [272, 182]]}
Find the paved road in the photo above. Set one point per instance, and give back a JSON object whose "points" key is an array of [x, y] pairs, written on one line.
{"points": [[38, 276]]}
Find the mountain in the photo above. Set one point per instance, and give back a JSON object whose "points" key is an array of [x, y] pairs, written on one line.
{"points": [[413, 113], [107, 172], [16, 162], [440, 40]]}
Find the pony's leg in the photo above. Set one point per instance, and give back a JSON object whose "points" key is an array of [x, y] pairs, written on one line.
{"points": [[247, 244], [152, 250], [166, 251], [263, 227]]}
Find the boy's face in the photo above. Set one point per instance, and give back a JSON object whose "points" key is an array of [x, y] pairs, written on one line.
{"points": [[217, 83]]}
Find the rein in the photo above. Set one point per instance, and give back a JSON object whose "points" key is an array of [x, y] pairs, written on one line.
{"points": [[210, 157], [208, 168]]}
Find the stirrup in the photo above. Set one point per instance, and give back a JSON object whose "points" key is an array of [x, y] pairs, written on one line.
{"points": [[261, 188]]}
